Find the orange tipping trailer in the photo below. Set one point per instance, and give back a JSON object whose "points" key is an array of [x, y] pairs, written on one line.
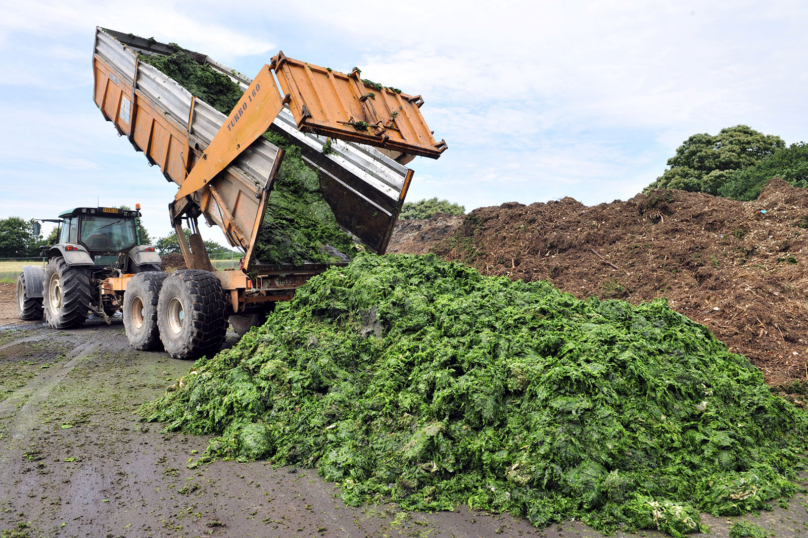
{"points": [[225, 169]]}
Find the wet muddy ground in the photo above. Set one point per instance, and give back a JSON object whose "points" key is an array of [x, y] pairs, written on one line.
{"points": [[75, 461]]}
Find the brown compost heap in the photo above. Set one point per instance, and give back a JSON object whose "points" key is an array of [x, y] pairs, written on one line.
{"points": [[736, 267]]}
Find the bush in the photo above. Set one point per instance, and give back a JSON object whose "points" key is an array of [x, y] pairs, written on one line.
{"points": [[169, 245], [425, 209], [789, 164], [17, 238]]}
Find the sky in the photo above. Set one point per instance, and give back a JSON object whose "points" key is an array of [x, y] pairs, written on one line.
{"points": [[536, 100]]}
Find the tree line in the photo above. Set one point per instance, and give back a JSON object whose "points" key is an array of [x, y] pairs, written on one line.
{"points": [[736, 163], [18, 240]]}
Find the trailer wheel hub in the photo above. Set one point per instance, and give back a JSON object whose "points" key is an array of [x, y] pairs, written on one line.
{"points": [[137, 313], [175, 315], [55, 292]]}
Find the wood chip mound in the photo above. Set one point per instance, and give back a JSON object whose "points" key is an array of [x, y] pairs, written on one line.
{"points": [[739, 268]]}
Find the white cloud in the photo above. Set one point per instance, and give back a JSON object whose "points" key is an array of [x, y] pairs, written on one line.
{"points": [[537, 100], [57, 135], [180, 21]]}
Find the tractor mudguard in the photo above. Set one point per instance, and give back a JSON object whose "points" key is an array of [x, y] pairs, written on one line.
{"points": [[77, 256], [144, 255], [34, 277]]}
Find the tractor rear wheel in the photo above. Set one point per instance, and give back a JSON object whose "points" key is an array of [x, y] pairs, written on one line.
{"points": [[140, 310], [192, 314], [66, 294], [28, 308]]}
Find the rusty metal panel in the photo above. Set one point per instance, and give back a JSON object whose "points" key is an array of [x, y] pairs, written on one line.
{"points": [[249, 119], [239, 190], [334, 104]]}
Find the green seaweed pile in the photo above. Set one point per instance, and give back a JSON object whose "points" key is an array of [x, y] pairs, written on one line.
{"points": [[215, 88], [742, 529], [299, 226], [422, 382]]}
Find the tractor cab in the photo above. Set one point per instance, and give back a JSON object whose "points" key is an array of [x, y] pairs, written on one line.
{"points": [[107, 238], [103, 231], [95, 243]]}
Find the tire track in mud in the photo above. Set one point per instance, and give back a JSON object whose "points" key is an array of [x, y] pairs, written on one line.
{"points": [[25, 340], [34, 394]]}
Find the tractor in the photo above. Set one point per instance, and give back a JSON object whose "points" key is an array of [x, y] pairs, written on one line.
{"points": [[95, 243]]}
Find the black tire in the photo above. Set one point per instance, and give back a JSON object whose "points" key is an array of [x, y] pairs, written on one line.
{"points": [[140, 310], [67, 293], [242, 323], [192, 314], [28, 308]]}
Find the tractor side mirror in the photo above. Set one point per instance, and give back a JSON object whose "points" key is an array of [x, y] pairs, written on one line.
{"points": [[37, 228]]}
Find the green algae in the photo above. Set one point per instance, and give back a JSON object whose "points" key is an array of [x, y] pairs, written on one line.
{"points": [[742, 529], [205, 83], [299, 226], [412, 380]]}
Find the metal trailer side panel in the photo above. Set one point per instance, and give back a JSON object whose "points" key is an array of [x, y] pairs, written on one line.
{"points": [[364, 187], [159, 115]]}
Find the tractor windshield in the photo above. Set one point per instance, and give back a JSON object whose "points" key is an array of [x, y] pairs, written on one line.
{"points": [[108, 233]]}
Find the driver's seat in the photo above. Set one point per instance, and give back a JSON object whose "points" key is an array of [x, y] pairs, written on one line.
{"points": [[100, 241]]}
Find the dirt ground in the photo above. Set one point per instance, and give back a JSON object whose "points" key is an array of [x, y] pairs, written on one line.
{"points": [[738, 268], [75, 461], [8, 306]]}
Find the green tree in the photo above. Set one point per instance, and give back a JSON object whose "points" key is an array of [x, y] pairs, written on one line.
{"points": [[53, 237], [169, 245], [424, 209], [17, 238], [704, 163], [789, 164]]}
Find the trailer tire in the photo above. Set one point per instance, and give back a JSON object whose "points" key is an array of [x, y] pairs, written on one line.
{"points": [[28, 308], [140, 310], [66, 294], [242, 323], [192, 314]]}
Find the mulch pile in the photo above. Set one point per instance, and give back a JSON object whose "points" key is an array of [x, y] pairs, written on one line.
{"points": [[739, 268], [173, 262], [416, 236]]}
